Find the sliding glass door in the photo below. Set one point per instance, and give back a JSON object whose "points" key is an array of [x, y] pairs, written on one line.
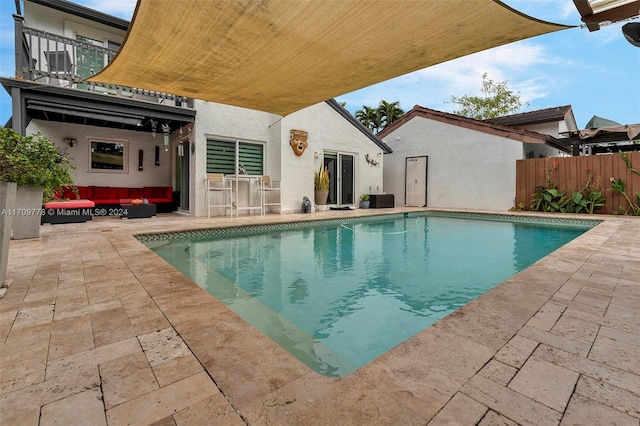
{"points": [[341, 169]]}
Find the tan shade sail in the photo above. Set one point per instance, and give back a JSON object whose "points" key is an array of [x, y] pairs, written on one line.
{"points": [[282, 55]]}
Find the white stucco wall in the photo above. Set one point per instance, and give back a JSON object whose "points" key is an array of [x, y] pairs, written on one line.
{"points": [[230, 123], [551, 129], [54, 21], [467, 169], [328, 131], [151, 175], [557, 129]]}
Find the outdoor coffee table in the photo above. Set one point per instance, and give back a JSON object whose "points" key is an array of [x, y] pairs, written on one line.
{"points": [[137, 211]]}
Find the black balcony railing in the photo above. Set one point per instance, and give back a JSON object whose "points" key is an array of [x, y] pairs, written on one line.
{"points": [[61, 61]]}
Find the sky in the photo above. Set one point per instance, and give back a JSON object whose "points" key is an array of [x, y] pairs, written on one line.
{"points": [[597, 73]]}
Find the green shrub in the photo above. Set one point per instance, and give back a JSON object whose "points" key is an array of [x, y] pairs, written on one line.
{"points": [[33, 161]]}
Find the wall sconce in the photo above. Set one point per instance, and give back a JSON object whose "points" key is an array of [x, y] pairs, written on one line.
{"points": [[140, 159], [154, 124], [70, 141], [157, 155], [165, 131], [316, 155]]}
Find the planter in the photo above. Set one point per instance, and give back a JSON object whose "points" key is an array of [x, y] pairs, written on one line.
{"points": [[7, 202], [321, 196], [364, 204], [28, 208]]}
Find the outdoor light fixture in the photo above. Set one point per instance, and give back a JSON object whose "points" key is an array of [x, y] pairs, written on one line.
{"points": [[154, 124], [631, 32], [69, 141], [165, 131]]}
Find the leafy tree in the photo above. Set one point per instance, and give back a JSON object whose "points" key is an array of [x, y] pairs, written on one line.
{"points": [[496, 101], [376, 119], [370, 118], [389, 112]]}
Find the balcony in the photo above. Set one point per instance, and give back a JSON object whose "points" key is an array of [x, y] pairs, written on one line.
{"points": [[60, 66], [65, 62]]}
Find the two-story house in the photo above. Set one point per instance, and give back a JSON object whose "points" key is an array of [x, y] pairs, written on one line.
{"points": [[130, 137]]}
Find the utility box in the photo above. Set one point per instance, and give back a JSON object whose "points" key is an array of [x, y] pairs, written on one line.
{"points": [[381, 201]]}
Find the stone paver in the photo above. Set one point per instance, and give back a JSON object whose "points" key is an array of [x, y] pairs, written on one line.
{"points": [[516, 352], [82, 409], [616, 353], [609, 395], [498, 372], [575, 329], [157, 405], [126, 378], [545, 382], [93, 311], [461, 410], [510, 403], [494, 419], [584, 411]]}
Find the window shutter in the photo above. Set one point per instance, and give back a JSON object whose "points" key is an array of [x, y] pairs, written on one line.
{"points": [[221, 157], [251, 156]]}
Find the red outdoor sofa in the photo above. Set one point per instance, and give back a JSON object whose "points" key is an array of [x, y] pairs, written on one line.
{"points": [[109, 198]]}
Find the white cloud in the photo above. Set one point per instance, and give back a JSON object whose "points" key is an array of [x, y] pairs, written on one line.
{"points": [[518, 63]]}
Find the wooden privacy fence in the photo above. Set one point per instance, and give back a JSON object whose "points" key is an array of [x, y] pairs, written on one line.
{"points": [[571, 173]]}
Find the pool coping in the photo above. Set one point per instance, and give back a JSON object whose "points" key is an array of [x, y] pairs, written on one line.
{"points": [[244, 230], [426, 377]]}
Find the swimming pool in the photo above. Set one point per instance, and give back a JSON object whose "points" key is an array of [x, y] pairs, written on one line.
{"points": [[338, 294]]}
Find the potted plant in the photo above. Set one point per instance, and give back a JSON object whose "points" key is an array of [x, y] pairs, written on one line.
{"points": [[38, 168], [321, 180], [364, 201]]}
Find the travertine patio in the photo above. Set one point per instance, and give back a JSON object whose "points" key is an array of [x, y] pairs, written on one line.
{"points": [[98, 330]]}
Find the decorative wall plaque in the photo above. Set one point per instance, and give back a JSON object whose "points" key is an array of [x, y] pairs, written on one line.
{"points": [[298, 141]]}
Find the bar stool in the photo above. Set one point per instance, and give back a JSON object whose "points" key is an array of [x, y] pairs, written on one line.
{"points": [[267, 188], [217, 183]]}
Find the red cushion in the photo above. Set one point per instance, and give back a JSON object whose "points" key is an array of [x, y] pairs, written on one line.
{"points": [[155, 191], [67, 192], [106, 201], [122, 192], [74, 204], [103, 192], [136, 193], [84, 192]]}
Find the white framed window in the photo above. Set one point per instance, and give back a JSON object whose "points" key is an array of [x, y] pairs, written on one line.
{"points": [[108, 155]]}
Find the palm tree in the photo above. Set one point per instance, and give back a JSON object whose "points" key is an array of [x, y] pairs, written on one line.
{"points": [[389, 112], [370, 118]]}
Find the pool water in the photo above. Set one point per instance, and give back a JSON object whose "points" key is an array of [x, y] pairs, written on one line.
{"points": [[338, 296]]}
